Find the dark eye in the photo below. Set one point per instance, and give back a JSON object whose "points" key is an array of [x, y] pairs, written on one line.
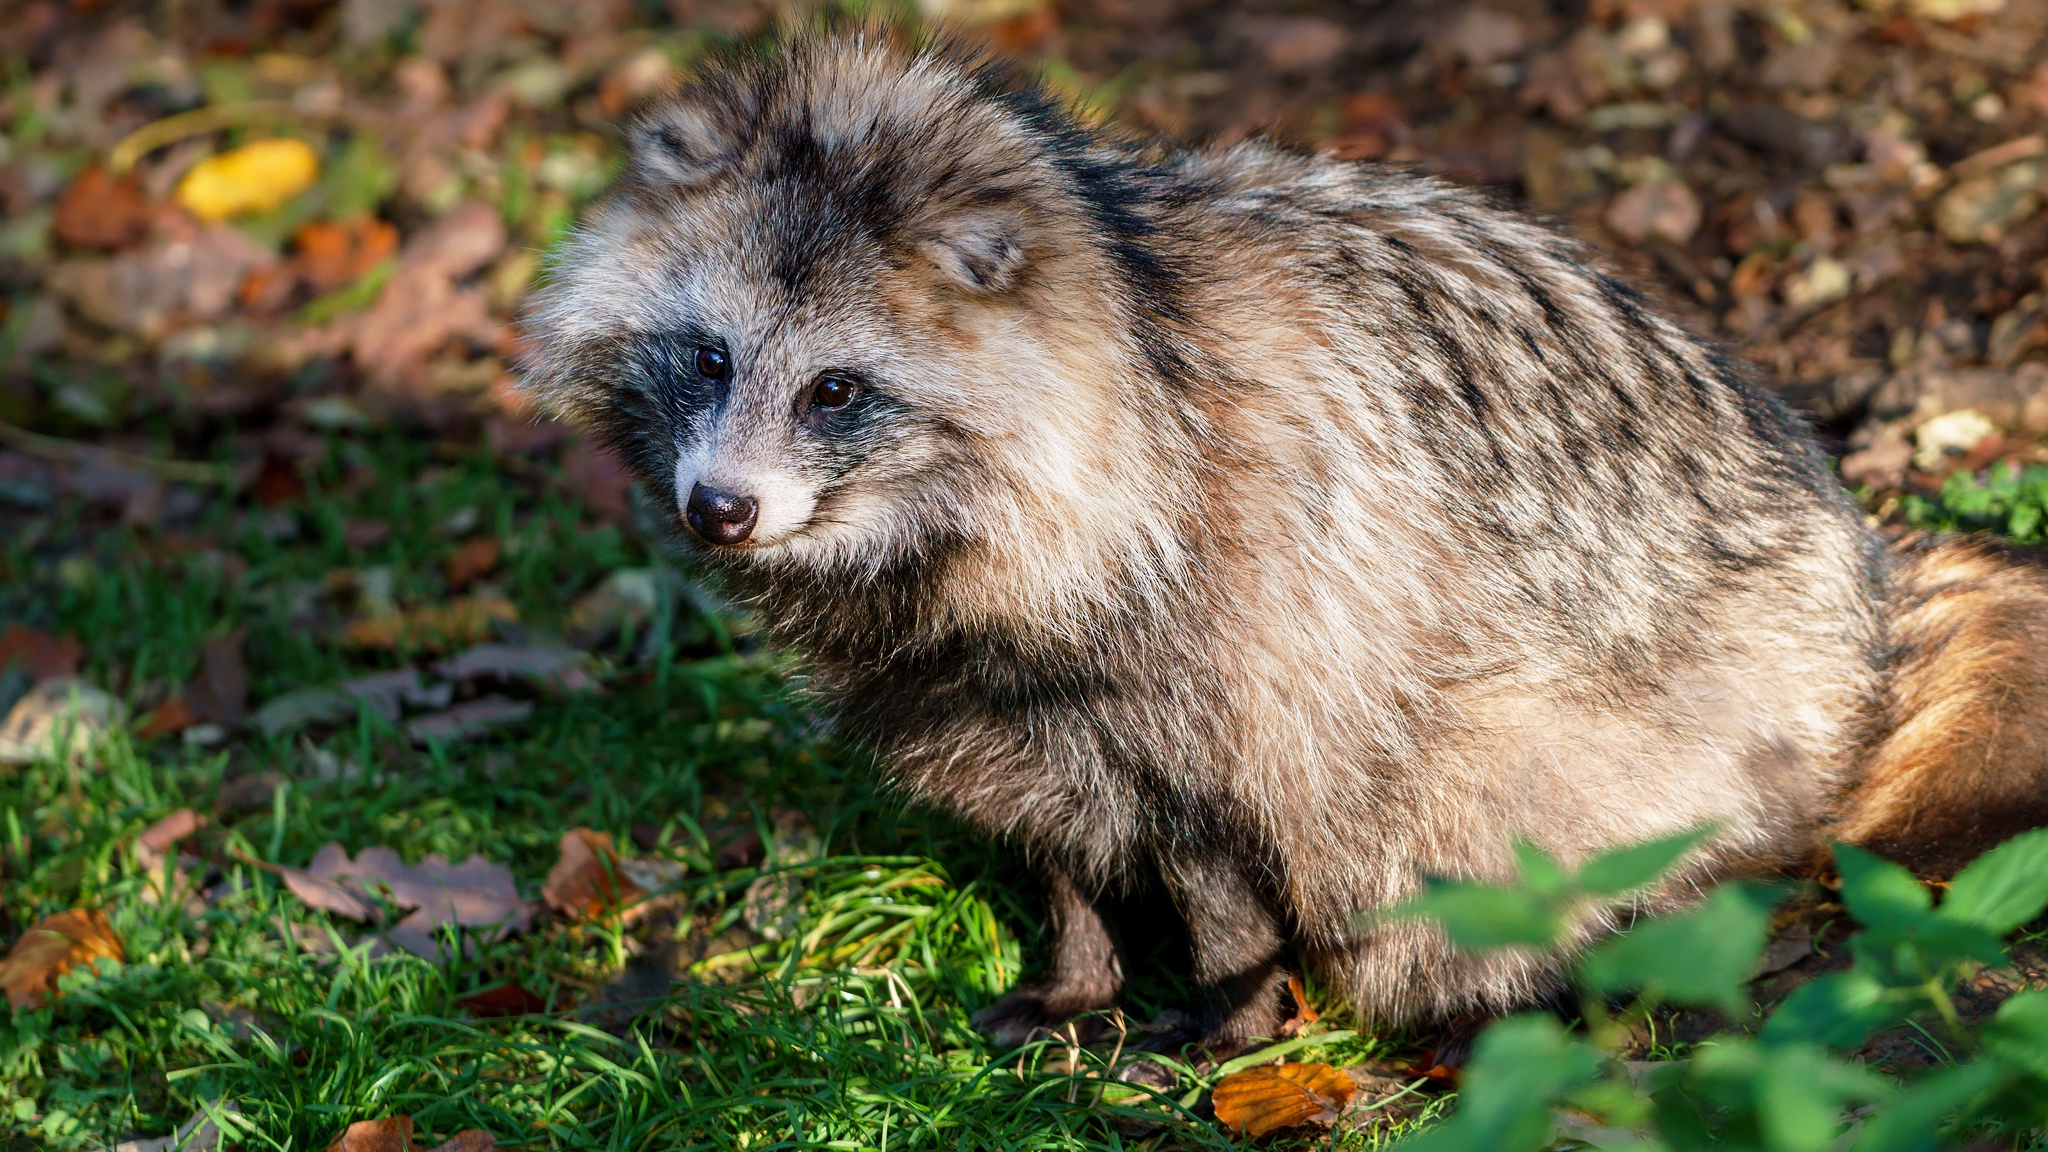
{"points": [[712, 363], [833, 392]]}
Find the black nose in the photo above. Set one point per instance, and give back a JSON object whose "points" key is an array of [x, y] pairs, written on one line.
{"points": [[720, 517]]}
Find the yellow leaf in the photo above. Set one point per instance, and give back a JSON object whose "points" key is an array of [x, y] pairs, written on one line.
{"points": [[1274, 1096], [456, 624], [56, 945], [256, 177]]}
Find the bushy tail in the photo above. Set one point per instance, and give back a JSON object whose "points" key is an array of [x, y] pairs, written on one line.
{"points": [[1963, 762]]}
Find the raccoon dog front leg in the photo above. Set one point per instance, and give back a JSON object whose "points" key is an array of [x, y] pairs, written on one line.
{"points": [[1085, 975], [1237, 938]]}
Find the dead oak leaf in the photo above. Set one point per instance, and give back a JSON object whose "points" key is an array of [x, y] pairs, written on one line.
{"points": [[332, 256], [586, 882], [1275, 1096], [56, 945], [99, 211], [395, 1134], [475, 559], [43, 656]]}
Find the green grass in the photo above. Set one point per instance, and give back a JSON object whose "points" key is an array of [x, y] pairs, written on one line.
{"points": [[848, 1032]]}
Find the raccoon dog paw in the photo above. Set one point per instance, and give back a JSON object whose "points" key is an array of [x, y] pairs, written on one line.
{"points": [[1035, 1011]]}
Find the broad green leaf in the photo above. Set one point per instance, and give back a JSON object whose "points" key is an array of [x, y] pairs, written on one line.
{"points": [[2019, 1032], [1520, 1066], [1839, 1010], [1884, 897], [1702, 957], [1540, 872], [1626, 869], [1913, 1122], [1800, 1093], [2004, 888], [1482, 916]]}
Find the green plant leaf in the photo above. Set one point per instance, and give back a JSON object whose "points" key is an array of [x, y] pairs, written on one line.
{"points": [[1800, 1093], [1913, 1121], [1482, 916], [2019, 1032], [1540, 872], [1626, 869], [2004, 888], [1885, 898], [1520, 1066], [1703, 957], [1839, 1010]]}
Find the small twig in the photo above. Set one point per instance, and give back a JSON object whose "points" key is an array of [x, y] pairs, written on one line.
{"points": [[56, 448], [199, 121]]}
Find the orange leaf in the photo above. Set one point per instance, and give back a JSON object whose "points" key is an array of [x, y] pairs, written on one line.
{"points": [[472, 561], [168, 719], [1304, 1012], [98, 211], [56, 945], [391, 1134], [336, 255], [1274, 1096], [585, 880]]}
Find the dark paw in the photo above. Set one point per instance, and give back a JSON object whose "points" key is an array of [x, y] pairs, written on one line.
{"points": [[1034, 1013]]}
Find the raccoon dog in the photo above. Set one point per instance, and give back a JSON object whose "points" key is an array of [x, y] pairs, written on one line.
{"points": [[1257, 530]]}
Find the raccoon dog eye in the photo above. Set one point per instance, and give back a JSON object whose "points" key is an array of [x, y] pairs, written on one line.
{"points": [[712, 364], [833, 392]]}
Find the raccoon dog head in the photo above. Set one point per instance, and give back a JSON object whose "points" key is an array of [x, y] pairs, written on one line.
{"points": [[854, 305]]}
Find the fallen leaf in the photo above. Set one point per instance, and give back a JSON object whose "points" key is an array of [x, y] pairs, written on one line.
{"points": [[1665, 208], [585, 882], [44, 656], [192, 275], [167, 880], [58, 717], [99, 211], [304, 706], [56, 945], [219, 694], [391, 1134], [421, 309], [257, 177], [1304, 1012], [467, 1140], [467, 620], [165, 833], [365, 533], [278, 481], [332, 256], [541, 665], [473, 894], [388, 693], [473, 718], [627, 599], [474, 560], [1270, 1097], [504, 1000], [167, 719]]}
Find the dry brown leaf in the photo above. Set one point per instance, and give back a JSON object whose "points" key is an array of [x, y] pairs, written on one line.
{"points": [[162, 835], [332, 256], [219, 694], [391, 1134], [56, 945], [468, 719], [468, 1140], [1275, 1096], [463, 621], [585, 881], [98, 211], [44, 656], [474, 560], [167, 719]]}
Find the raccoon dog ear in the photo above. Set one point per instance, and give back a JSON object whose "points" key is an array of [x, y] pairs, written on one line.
{"points": [[981, 251], [678, 145]]}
